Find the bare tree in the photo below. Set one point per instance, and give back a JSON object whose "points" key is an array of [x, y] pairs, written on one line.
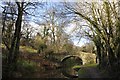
{"points": [[103, 22], [17, 9]]}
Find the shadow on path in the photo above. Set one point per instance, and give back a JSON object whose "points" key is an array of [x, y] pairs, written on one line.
{"points": [[89, 72]]}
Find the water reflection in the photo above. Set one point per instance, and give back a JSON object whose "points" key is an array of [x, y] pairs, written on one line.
{"points": [[69, 72]]}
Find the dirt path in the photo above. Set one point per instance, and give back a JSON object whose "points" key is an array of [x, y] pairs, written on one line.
{"points": [[93, 72], [89, 72]]}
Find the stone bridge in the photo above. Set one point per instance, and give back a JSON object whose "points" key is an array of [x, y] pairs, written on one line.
{"points": [[86, 58]]}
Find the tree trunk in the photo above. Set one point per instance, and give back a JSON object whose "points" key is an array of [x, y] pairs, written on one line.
{"points": [[14, 50], [99, 54], [103, 55]]}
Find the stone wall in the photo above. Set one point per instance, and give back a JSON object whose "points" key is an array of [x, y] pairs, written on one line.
{"points": [[87, 57]]}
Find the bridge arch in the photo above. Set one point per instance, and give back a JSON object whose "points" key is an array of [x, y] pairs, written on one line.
{"points": [[68, 62], [72, 56]]}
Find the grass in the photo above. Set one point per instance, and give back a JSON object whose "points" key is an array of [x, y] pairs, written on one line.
{"points": [[27, 49], [83, 72], [90, 65], [77, 66], [23, 48]]}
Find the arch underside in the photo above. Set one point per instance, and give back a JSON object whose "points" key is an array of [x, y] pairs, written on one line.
{"points": [[72, 56]]}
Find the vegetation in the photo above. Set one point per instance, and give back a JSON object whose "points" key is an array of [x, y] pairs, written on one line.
{"points": [[37, 37], [103, 30]]}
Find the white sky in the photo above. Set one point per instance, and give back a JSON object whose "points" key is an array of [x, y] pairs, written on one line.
{"points": [[76, 42], [81, 43]]}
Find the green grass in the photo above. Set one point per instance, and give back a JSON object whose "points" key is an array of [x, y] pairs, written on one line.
{"points": [[90, 65], [28, 49], [77, 66], [23, 48]]}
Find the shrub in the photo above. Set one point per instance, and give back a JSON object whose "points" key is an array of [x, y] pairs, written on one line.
{"points": [[26, 66]]}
